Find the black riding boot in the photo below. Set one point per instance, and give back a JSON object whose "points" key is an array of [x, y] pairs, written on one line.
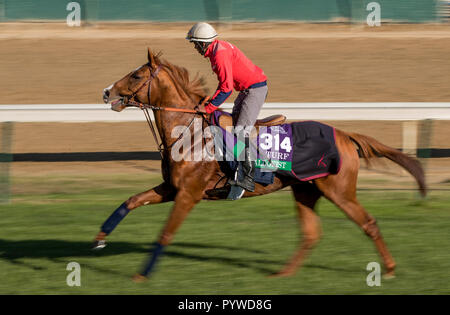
{"points": [[244, 175], [248, 169]]}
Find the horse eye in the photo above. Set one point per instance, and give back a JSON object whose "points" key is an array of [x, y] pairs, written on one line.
{"points": [[135, 76]]}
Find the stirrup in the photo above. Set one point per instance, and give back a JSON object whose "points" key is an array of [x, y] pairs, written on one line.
{"points": [[236, 193], [97, 245], [247, 183]]}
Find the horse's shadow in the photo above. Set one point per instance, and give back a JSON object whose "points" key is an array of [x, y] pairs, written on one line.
{"points": [[61, 250]]}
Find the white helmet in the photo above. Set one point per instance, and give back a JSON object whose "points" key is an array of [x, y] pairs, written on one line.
{"points": [[201, 32]]}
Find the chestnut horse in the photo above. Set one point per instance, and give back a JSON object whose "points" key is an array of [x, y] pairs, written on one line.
{"points": [[166, 89]]}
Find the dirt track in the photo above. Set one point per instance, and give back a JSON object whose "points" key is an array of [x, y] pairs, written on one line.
{"points": [[52, 63], [49, 63]]}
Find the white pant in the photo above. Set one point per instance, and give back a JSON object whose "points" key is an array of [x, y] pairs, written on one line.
{"points": [[247, 106]]}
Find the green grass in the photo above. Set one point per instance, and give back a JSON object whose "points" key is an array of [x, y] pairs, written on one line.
{"points": [[222, 248]]}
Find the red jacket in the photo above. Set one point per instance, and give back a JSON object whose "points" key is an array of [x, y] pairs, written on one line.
{"points": [[233, 69]]}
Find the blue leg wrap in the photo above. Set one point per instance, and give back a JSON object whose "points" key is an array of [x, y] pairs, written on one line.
{"points": [[157, 251], [115, 218]]}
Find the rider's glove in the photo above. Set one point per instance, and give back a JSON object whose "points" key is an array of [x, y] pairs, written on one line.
{"points": [[209, 108]]}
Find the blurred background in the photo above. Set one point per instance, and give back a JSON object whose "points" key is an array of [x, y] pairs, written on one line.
{"points": [[66, 161]]}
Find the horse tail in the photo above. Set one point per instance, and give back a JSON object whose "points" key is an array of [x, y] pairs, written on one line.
{"points": [[369, 148]]}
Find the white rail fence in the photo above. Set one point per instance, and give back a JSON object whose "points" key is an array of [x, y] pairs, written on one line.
{"points": [[411, 114], [298, 111]]}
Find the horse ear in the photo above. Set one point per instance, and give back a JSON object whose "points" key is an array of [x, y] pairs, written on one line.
{"points": [[151, 58]]}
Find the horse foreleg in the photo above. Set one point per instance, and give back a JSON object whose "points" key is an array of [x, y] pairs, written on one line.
{"points": [[306, 196], [184, 202], [161, 193]]}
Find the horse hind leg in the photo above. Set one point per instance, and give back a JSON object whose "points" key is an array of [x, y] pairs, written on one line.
{"points": [[306, 196], [369, 225], [373, 231], [348, 203]]}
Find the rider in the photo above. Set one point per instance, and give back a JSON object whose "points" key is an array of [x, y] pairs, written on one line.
{"points": [[233, 70]]}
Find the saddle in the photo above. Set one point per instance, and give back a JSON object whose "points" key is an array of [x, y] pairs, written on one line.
{"points": [[302, 150], [274, 120]]}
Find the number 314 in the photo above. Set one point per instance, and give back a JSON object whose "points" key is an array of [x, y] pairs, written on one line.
{"points": [[268, 141]]}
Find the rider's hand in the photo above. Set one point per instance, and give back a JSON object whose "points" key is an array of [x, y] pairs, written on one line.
{"points": [[204, 105], [209, 108]]}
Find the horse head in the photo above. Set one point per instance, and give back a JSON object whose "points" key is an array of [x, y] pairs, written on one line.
{"points": [[136, 85], [155, 83]]}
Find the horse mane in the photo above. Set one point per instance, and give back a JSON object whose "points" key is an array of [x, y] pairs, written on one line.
{"points": [[196, 87]]}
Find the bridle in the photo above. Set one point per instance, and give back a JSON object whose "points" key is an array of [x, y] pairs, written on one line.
{"points": [[129, 101]]}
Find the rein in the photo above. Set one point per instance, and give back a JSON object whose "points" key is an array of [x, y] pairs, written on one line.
{"points": [[128, 101]]}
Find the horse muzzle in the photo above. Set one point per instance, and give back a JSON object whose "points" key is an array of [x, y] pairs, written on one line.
{"points": [[117, 103], [106, 94], [109, 94]]}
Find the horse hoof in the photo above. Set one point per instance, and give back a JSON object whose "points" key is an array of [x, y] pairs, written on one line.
{"points": [[280, 274], [137, 278], [98, 245], [389, 275]]}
